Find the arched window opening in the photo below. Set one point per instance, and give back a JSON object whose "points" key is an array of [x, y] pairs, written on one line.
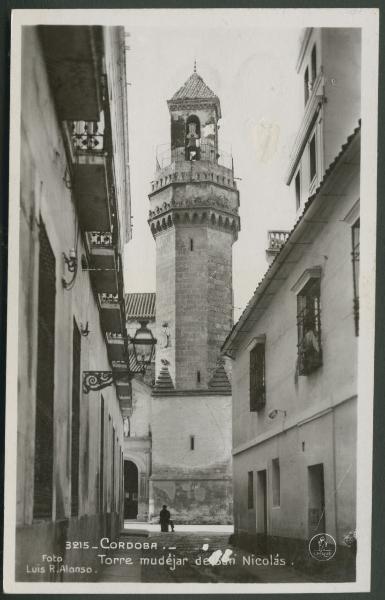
{"points": [[193, 138]]}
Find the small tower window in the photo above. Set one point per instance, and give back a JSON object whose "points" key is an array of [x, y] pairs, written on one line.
{"points": [[192, 442], [191, 245], [198, 376]]}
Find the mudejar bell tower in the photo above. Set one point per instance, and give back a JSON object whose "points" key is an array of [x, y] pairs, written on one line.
{"points": [[194, 220]]}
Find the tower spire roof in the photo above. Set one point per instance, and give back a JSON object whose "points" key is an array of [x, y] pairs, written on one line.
{"points": [[194, 88], [194, 92]]}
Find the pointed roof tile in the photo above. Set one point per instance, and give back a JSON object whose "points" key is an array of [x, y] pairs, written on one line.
{"points": [[164, 382], [195, 91], [193, 88], [220, 382]]}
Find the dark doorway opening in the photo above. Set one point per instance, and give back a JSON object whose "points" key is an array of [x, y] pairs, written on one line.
{"points": [[316, 496], [261, 502], [130, 490]]}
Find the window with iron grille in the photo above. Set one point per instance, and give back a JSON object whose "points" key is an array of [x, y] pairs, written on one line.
{"points": [[75, 421], [313, 64], [306, 84], [298, 190], [44, 427], [309, 327], [356, 273], [250, 489], [257, 377], [313, 158]]}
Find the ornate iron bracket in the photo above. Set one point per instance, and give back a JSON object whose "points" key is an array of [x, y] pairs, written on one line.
{"points": [[96, 380]]}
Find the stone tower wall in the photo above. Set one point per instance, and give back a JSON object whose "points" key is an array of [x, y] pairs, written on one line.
{"points": [[219, 300], [192, 285], [195, 485], [194, 282], [165, 299], [194, 298]]}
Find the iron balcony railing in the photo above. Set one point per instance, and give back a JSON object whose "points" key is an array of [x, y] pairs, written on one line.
{"points": [[100, 239], [88, 137], [277, 239], [166, 156]]}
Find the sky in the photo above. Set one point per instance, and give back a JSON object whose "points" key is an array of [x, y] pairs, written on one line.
{"points": [[252, 71]]}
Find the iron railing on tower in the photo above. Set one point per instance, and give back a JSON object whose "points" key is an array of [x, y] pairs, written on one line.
{"points": [[165, 155]]}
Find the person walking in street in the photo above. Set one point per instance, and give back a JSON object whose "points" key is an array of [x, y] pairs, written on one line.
{"points": [[165, 519]]}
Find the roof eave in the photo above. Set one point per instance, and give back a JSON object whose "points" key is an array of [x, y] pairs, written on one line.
{"points": [[310, 207]]}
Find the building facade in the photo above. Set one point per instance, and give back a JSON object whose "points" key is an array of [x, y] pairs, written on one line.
{"points": [[294, 348], [74, 221], [194, 220]]}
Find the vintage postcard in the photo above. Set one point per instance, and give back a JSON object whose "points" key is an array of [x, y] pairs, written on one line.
{"points": [[191, 301]]}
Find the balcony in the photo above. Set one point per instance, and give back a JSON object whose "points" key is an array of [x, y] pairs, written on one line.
{"points": [[123, 388], [103, 264], [91, 182], [110, 312], [125, 403], [115, 345], [74, 69], [276, 239]]}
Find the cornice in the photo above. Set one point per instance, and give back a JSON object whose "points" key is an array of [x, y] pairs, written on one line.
{"points": [[195, 215]]}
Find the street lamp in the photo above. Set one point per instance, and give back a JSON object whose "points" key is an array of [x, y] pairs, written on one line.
{"points": [[144, 344]]}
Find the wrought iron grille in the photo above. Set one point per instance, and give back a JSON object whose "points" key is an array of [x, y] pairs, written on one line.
{"points": [[257, 378], [309, 328], [108, 298], [87, 137], [277, 239], [100, 239]]}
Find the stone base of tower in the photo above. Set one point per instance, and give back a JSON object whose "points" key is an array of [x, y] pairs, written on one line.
{"points": [[192, 463]]}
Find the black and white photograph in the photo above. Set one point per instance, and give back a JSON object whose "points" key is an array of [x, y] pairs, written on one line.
{"points": [[191, 285]]}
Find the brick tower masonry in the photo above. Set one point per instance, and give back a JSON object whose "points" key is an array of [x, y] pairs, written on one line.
{"points": [[194, 220]]}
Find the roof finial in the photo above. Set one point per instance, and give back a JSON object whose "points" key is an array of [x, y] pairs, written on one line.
{"points": [[195, 66]]}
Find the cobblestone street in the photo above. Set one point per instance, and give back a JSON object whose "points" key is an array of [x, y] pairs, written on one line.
{"points": [[190, 556]]}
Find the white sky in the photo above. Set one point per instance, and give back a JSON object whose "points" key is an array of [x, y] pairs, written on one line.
{"points": [[253, 73]]}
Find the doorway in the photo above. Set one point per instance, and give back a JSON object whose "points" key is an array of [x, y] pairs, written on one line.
{"points": [[130, 490], [316, 500], [262, 502]]}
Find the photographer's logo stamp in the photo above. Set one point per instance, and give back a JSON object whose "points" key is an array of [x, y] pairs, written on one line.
{"points": [[322, 546]]}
